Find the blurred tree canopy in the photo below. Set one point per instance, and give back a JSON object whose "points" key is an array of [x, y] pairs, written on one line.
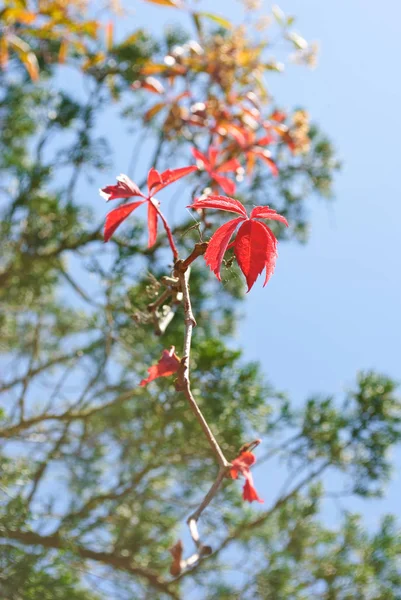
{"points": [[98, 474]]}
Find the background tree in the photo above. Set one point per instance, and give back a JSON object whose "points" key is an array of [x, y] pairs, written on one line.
{"points": [[99, 473]]}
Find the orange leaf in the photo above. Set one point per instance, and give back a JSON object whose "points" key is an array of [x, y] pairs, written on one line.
{"points": [[3, 52], [63, 51], [173, 3], [152, 112], [109, 35], [26, 56]]}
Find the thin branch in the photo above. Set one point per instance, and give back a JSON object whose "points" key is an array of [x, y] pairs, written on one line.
{"points": [[183, 382], [67, 416], [247, 526]]}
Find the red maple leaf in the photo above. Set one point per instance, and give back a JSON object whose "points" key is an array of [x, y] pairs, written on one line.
{"points": [[210, 164], [255, 148], [125, 188], [255, 245], [167, 365], [241, 465]]}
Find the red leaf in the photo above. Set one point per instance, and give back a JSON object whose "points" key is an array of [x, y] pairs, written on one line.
{"points": [[213, 154], [218, 245], [230, 165], [200, 156], [149, 83], [269, 161], [154, 179], [221, 203], [117, 216], [264, 212], [249, 493], [167, 365], [251, 249], [265, 140], [225, 183], [152, 224], [271, 254], [167, 177], [125, 188], [278, 116], [241, 464]]}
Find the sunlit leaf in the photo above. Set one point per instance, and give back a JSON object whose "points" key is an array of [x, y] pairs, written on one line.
{"points": [[217, 19], [63, 52], [173, 3], [299, 42], [26, 56], [152, 112], [3, 52], [278, 15], [109, 35]]}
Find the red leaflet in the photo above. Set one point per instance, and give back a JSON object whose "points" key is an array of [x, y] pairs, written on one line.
{"points": [[168, 177], [253, 149], [241, 465], [125, 188], [167, 365], [149, 83], [220, 202], [209, 164], [255, 245], [218, 245], [264, 212], [252, 248], [117, 216]]}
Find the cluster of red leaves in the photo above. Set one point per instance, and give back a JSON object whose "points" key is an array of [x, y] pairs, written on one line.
{"points": [[125, 188], [241, 465], [229, 114], [215, 170], [255, 245], [169, 364]]}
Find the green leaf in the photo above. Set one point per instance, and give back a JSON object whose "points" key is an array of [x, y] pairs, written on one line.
{"points": [[278, 14], [216, 18]]}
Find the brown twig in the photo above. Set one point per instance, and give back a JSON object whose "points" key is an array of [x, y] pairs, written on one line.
{"points": [[183, 384], [199, 250], [183, 381]]}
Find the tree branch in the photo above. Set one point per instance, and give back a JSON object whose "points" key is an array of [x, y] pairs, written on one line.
{"points": [[121, 563]]}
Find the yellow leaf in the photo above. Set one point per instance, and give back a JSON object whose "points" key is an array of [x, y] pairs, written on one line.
{"points": [[25, 55], [17, 15], [217, 19], [94, 60]]}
